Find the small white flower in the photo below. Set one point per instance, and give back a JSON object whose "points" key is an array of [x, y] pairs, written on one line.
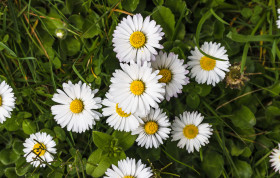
{"points": [[154, 129], [128, 168], [7, 101], [135, 39], [77, 107], [118, 119], [173, 71], [275, 159], [207, 70], [39, 148], [189, 130], [136, 88], [278, 21]]}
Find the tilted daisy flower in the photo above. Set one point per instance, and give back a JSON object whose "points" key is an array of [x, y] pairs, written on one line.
{"points": [[189, 130], [154, 129], [7, 101], [38, 149], [128, 168], [275, 159], [205, 69], [136, 39], [173, 71], [136, 88], [278, 21], [118, 119], [77, 107]]}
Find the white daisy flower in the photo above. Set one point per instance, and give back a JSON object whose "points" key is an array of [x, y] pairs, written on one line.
{"points": [[39, 148], [278, 21], [189, 130], [154, 129], [118, 119], [77, 107], [173, 71], [7, 101], [136, 88], [128, 168], [207, 70], [275, 159], [135, 39]]}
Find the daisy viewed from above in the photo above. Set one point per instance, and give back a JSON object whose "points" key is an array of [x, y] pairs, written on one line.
{"points": [[190, 132], [205, 69], [118, 119], [278, 21], [38, 148], [154, 129], [275, 159], [173, 71], [128, 168], [136, 39], [136, 88], [77, 107], [7, 101]]}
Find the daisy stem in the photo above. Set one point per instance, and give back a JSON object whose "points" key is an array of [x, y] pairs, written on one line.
{"points": [[167, 154]]}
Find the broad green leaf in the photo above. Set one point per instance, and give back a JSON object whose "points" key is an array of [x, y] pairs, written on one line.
{"points": [[213, 164], [151, 154], [130, 5], [10, 172], [193, 100], [93, 160], [163, 16], [22, 166], [13, 123], [246, 12], [28, 126], [202, 89], [8, 156], [77, 21], [244, 169], [175, 6], [18, 147], [91, 27], [102, 140], [24, 115], [72, 45], [125, 139], [243, 118], [56, 62], [59, 132], [158, 2]]}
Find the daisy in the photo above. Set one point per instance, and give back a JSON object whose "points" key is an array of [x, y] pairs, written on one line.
{"points": [[154, 129], [207, 70], [278, 21], [173, 71], [7, 101], [39, 148], [128, 168], [136, 39], [118, 119], [275, 159], [189, 130], [136, 88], [77, 107]]}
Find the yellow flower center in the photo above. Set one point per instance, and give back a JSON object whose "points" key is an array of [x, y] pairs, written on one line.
{"points": [[76, 106], [151, 127], [190, 131], [0, 100], [207, 63], [137, 39], [128, 177], [121, 112], [166, 75], [137, 87], [39, 149]]}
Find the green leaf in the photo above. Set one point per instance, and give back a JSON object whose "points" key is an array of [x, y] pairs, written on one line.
{"points": [[193, 100], [93, 161], [176, 6], [72, 45], [213, 164], [77, 21], [202, 89], [152, 154], [24, 115], [56, 62], [18, 147], [102, 140], [10, 172], [243, 118], [250, 38], [13, 123], [163, 16], [22, 166], [130, 5], [8, 156], [244, 169], [246, 12], [125, 139], [28, 126], [59, 132], [91, 27]]}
